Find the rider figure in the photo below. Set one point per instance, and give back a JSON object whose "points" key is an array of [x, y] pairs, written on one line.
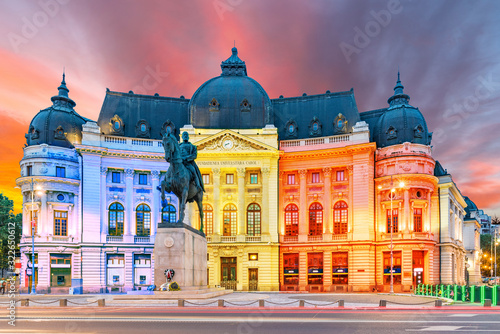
{"points": [[189, 152]]}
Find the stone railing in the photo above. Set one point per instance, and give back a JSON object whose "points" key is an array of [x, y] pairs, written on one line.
{"points": [[228, 239], [249, 238], [314, 238], [114, 238], [315, 141], [289, 238], [142, 240]]}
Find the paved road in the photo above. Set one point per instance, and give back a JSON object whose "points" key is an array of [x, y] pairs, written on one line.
{"points": [[247, 321]]}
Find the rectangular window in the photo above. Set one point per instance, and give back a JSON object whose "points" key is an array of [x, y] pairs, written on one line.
{"points": [[291, 269], [60, 172], [61, 223], [115, 177], [315, 268], [396, 267], [394, 221], [143, 178], [291, 178], [340, 175], [206, 178], [229, 178], [60, 270], [253, 256], [29, 170], [315, 177], [417, 220], [340, 268], [254, 178]]}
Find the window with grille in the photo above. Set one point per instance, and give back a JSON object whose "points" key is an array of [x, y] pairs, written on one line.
{"points": [[115, 177], [115, 222], [208, 219], [340, 175], [315, 219], [394, 221], [29, 170], [168, 214], [291, 178], [417, 220], [254, 179], [61, 223], [229, 216], [340, 268], [315, 178], [315, 268], [143, 220], [206, 178], [291, 220], [253, 220], [340, 218], [229, 178]]}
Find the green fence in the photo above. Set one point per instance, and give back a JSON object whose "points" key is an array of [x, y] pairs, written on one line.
{"points": [[474, 294]]}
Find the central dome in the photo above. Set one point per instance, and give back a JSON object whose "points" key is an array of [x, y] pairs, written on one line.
{"points": [[230, 101]]}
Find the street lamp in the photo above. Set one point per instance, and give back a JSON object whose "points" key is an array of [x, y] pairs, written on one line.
{"points": [[496, 244], [393, 191], [38, 188]]}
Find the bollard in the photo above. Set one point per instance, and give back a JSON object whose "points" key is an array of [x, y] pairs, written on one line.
{"points": [[180, 303], [301, 303], [487, 303], [220, 303], [101, 302], [63, 302], [25, 302], [341, 303], [382, 303], [438, 303], [261, 302]]}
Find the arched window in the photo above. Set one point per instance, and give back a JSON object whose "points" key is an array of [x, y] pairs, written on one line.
{"points": [[291, 220], [115, 219], [143, 220], [168, 214], [208, 219], [253, 219], [340, 218], [315, 219], [229, 216]]}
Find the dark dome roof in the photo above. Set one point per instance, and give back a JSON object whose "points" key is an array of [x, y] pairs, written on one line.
{"points": [[401, 122], [471, 206], [58, 125], [230, 101]]}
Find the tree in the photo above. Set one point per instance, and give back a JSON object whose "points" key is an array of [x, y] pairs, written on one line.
{"points": [[488, 257], [10, 224]]}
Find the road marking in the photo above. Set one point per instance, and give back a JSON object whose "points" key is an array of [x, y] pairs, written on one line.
{"points": [[438, 329], [463, 315]]}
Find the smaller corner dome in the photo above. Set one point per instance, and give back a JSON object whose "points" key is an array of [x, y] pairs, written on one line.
{"points": [[230, 101], [471, 206], [401, 122], [58, 125]]}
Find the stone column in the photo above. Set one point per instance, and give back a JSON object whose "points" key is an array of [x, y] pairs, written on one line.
{"points": [[103, 202], [155, 206], [281, 204], [216, 204], [241, 203], [303, 222], [265, 219], [327, 205], [129, 190], [74, 216], [429, 212], [350, 222], [406, 217]]}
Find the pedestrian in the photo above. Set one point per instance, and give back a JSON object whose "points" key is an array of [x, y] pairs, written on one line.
{"points": [[3, 283]]}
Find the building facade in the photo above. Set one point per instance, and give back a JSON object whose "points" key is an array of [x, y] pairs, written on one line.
{"points": [[302, 193]]}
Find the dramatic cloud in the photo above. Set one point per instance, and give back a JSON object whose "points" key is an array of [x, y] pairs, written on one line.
{"points": [[447, 52]]}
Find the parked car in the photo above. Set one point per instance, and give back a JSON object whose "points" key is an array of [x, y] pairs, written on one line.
{"points": [[494, 281], [485, 279]]}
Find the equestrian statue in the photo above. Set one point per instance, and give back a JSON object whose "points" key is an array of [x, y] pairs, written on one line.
{"points": [[183, 177]]}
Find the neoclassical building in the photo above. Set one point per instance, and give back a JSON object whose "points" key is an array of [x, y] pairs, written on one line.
{"points": [[302, 193]]}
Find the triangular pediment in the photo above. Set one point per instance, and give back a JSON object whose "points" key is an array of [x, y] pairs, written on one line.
{"points": [[230, 141]]}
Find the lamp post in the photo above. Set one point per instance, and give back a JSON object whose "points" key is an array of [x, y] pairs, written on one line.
{"points": [[33, 289], [496, 244], [393, 193]]}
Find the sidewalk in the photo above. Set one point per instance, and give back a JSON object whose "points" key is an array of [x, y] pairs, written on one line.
{"points": [[246, 299]]}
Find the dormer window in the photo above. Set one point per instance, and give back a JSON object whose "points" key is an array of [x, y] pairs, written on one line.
{"points": [[59, 133], [168, 127], [245, 105], [291, 129], [34, 133], [418, 131], [392, 133], [315, 127], [340, 124], [214, 105], [116, 125], [142, 129]]}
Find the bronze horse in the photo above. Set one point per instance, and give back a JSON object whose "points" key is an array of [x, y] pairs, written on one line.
{"points": [[178, 179]]}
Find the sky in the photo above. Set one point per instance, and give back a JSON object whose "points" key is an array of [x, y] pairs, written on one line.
{"points": [[448, 53]]}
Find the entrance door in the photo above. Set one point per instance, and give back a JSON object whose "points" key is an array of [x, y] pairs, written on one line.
{"points": [[418, 267], [253, 279], [228, 272]]}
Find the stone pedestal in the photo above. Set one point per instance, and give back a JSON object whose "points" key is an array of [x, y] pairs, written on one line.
{"points": [[183, 249]]}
